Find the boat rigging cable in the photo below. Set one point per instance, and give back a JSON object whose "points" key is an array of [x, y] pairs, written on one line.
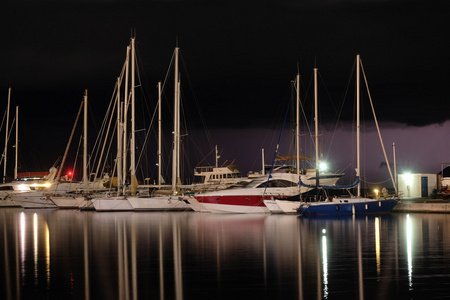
{"points": [[278, 144]]}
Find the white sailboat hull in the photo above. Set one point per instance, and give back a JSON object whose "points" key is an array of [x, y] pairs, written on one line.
{"points": [[111, 204], [33, 199], [173, 203], [236, 209], [288, 207], [69, 202]]}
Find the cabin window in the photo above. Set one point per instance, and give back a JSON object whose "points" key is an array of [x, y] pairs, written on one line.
{"points": [[278, 183]]}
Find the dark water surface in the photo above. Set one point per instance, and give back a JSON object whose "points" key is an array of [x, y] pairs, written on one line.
{"points": [[69, 254]]}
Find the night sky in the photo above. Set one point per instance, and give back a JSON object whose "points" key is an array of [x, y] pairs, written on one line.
{"points": [[239, 58]]}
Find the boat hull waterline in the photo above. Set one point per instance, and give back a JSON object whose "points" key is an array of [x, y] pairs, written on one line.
{"points": [[371, 206], [234, 204]]}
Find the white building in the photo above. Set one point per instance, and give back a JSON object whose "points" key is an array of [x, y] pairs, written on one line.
{"points": [[416, 185]]}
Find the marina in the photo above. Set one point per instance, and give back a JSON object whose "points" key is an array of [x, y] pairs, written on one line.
{"points": [[224, 150], [52, 253]]}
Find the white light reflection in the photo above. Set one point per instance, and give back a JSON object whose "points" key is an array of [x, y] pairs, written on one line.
{"points": [[325, 266], [377, 245], [35, 248], [22, 244], [47, 253], [409, 231]]}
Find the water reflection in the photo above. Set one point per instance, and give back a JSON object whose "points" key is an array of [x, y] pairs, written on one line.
{"points": [[409, 249], [127, 255], [325, 264]]}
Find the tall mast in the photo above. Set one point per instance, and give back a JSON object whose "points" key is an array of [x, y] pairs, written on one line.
{"points": [[133, 122], [262, 161], [125, 121], [178, 129], [297, 126], [358, 122], [85, 174], [17, 141], [159, 134], [6, 136], [395, 169], [176, 139], [119, 139], [316, 122]]}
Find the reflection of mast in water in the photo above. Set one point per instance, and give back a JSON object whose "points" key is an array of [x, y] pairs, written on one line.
{"points": [[86, 259], [35, 248], [161, 265], [177, 261], [124, 290], [133, 261], [360, 265], [299, 251], [123, 274], [6, 268]]}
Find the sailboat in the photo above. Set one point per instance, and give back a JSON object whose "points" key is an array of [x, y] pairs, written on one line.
{"points": [[118, 201], [351, 205], [260, 194], [174, 201], [26, 183], [279, 205], [76, 195]]}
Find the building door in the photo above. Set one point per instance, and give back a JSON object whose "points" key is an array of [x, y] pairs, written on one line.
{"points": [[424, 186]]}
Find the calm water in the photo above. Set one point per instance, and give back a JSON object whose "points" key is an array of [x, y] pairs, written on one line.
{"points": [[68, 254]]}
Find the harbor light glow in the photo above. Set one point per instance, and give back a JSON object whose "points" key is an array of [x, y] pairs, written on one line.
{"points": [[376, 191], [323, 166], [408, 178], [23, 187]]}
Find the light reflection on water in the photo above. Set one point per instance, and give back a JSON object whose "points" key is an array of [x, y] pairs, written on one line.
{"points": [[187, 255]]}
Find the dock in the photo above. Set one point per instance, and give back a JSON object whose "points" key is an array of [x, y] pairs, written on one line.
{"points": [[423, 205]]}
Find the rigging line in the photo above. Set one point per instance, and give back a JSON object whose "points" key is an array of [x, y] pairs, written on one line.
{"points": [[378, 128], [76, 159], [146, 136], [142, 79], [278, 144], [341, 108], [108, 151], [168, 72], [379, 182], [334, 107], [204, 158], [3, 120], [304, 113], [9, 134], [96, 148], [96, 154], [197, 104], [113, 105]]}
